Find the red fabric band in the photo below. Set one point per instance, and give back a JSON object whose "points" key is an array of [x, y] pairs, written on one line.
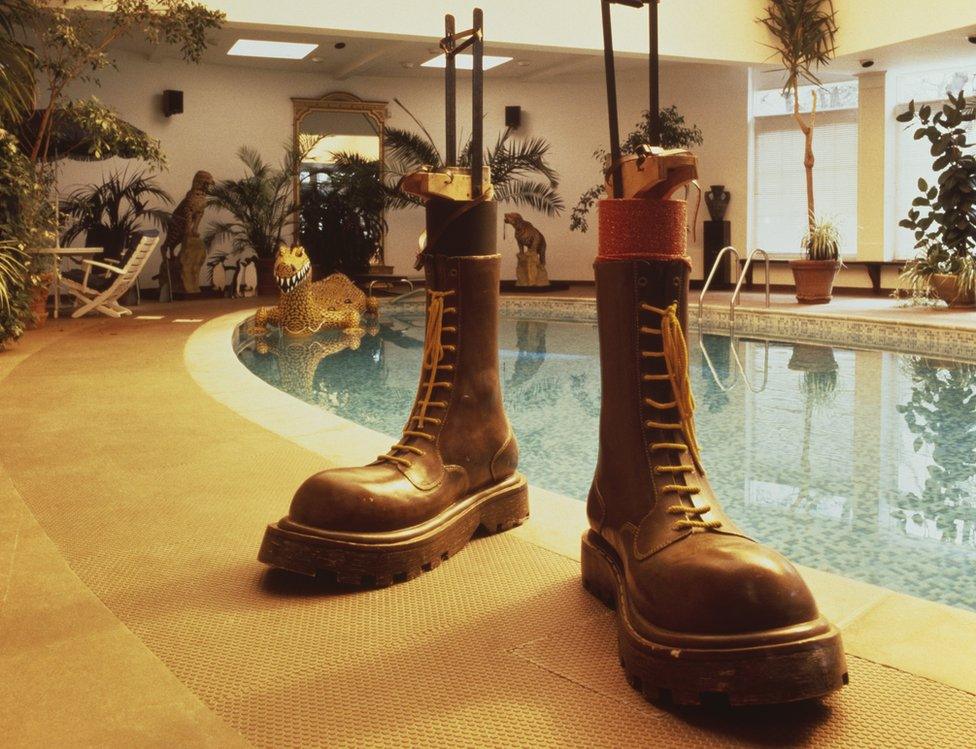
{"points": [[638, 228]]}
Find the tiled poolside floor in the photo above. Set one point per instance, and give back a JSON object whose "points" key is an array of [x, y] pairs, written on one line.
{"points": [[133, 494]]}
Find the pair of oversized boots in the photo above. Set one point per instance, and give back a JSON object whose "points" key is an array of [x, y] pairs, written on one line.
{"points": [[703, 611]]}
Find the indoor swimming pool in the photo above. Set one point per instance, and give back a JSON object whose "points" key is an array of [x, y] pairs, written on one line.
{"points": [[857, 462]]}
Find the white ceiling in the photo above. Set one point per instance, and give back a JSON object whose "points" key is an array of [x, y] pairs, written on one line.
{"points": [[375, 55]]}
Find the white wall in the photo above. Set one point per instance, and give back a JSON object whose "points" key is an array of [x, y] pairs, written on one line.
{"points": [[226, 107]]}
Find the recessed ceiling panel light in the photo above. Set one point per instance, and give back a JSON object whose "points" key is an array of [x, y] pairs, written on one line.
{"points": [[466, 62], [264, 48]]}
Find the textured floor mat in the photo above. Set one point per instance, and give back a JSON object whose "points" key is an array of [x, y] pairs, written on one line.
{"points": [[161, 511]]}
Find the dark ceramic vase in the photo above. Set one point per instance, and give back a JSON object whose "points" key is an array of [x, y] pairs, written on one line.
{"points": [[717, 200]]}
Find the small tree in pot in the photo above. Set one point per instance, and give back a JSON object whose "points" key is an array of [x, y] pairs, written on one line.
{"points": [[943, 216], [805, 32]]}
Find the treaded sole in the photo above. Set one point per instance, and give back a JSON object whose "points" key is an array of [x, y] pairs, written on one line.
{"points": [[762, 675], [369, 564]]}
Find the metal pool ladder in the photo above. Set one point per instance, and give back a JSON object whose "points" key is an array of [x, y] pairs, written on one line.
{"points": [[738, 286]]}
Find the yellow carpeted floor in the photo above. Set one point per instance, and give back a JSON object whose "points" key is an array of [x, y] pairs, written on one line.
{"points": [[157, 497]]}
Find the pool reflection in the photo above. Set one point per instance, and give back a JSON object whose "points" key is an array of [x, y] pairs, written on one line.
{"points": [[856, 462]]}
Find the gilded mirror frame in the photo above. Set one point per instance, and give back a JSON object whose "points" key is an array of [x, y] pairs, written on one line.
{"points": [[340, 101]]}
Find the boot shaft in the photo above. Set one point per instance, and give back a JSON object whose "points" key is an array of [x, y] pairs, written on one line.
{"points": [[459, 399], [633, 371]]}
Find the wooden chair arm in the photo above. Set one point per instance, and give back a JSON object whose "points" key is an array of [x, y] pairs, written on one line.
{"points": [[104, 266]]}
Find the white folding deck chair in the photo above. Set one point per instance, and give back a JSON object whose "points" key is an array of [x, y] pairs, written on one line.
{"points": [[103, 295]]}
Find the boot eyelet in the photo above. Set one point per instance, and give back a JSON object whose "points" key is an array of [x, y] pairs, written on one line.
{"points": [[642, 281], [453, 272]]}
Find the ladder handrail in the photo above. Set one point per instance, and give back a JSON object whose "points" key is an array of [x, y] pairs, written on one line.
{"points": [[708, 361], [745, 377], [742, 277], [711, 275]]}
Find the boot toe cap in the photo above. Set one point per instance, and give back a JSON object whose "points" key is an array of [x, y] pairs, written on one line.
{"points": [[711, 584], [357, 500]]}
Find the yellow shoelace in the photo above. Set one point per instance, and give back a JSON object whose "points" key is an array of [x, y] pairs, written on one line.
{"points": [[674, 351], [434, 349]]}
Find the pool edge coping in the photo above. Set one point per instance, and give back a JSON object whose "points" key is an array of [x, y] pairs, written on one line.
{"points": [[877, 623]]}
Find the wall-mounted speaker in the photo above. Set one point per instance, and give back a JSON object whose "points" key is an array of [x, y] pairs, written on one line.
{"points": [[513, 117], [172, 102]]}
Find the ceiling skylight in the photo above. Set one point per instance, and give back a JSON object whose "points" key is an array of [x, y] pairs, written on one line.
{"points": [[264, 48], [466, 62]]}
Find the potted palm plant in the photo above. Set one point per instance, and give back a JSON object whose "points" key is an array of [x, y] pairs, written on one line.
{"points": [[261, 205], [516, 167], [943, 216], [111, 214], [804, 34]]}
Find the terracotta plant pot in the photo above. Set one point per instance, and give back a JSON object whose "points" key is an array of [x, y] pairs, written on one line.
{"points": [[38, 305], [267, 286], [946, 287], [814, 280]]}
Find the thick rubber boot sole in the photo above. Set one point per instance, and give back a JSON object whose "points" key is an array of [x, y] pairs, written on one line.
{"points": [[381, 559], [715, 676]]}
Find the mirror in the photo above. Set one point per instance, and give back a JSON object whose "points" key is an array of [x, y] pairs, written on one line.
{"points": [[341, 221]]}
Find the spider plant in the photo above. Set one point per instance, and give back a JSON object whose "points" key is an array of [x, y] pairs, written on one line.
{"points": [[261, 204], [520, 171], [805, 34], [111, 214], [16, 62], [822, 240]]}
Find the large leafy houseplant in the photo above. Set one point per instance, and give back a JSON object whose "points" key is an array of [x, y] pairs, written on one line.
{"points": [[943, 216], [341, 221], [111, 214], [674, 134], [804, 34]]}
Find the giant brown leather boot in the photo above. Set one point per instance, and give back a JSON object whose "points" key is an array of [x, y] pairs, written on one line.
{"points": [[704, 612], [452, 471]]}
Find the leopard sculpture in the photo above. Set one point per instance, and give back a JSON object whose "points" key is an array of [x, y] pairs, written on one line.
{"points": [[305, 307]]}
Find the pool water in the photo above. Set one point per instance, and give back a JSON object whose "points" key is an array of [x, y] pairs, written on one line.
{"points": [[861, 463]]}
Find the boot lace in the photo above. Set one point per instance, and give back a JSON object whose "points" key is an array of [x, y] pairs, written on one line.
{"points": [[434, 350], [674, 352]]}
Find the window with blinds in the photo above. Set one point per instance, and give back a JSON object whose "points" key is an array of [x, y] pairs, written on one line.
{"points": [[779, 181], [912, 158]]}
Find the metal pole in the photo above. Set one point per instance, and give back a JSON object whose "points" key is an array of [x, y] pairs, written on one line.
{"points": [[477, 103], [450, 93], [655, 76], [618, 186]]}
